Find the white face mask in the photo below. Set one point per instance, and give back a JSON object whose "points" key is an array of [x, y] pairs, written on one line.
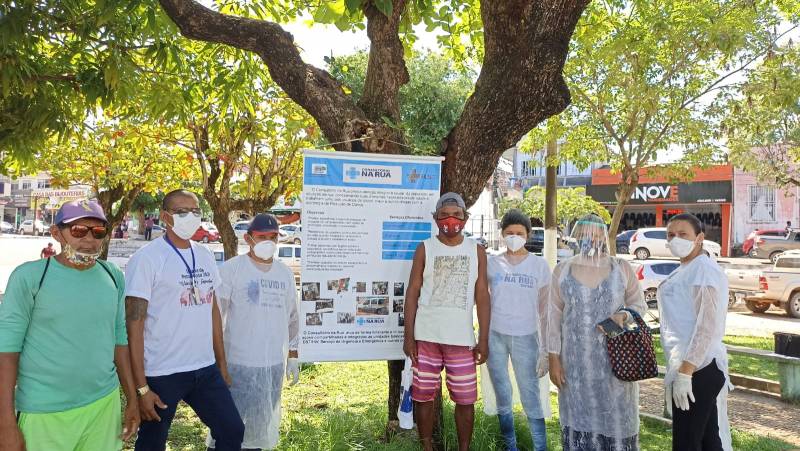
{"points": [[680, 247], [79, 258], [185, 226], [514, 242], [265, 249]]}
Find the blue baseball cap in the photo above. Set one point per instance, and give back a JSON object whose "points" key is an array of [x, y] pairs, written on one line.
{"points": [[264, 223], [79, 209]]}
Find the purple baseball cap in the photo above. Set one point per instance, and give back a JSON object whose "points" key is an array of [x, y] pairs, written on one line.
{"points": [[78, 209]]}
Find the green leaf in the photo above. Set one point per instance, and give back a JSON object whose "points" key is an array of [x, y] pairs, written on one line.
{"points": [[353, 5], [384, 6]]}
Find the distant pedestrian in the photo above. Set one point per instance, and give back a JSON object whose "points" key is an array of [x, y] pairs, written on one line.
{"points": [[788, 226], [148, 228], [48, 251]]}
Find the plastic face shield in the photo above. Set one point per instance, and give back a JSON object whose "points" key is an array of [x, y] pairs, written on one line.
{"points": [[591, 239]]}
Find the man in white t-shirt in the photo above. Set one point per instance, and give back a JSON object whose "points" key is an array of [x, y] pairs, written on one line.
{"points": [[175, 331], [258, 300]]}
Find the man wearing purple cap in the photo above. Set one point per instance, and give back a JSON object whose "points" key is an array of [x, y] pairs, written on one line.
{"points": [[63, 344]]}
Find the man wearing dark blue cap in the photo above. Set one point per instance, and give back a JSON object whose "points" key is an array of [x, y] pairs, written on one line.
{"points": [[63, 344], [258, 299]]}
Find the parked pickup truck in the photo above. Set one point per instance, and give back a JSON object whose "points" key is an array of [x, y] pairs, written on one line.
{"points": [[771, 247], [779, 287], [742, 281]]}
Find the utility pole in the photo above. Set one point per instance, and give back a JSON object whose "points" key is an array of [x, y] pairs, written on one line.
{"points": [[550, 205]]}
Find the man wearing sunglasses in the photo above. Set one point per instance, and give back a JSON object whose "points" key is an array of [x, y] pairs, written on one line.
{"points": [[258, 300], [63, 344], [175, 331]]}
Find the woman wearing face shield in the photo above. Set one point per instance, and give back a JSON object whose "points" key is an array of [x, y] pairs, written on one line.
{"points": [[518, 284], [693, 304], [597, 411]]}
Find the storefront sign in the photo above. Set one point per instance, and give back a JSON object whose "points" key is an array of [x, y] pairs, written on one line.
{"points": [[661, 193], [656, 193], [363, 217], [54, 198]]}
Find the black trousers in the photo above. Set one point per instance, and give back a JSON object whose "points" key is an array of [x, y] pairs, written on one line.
{"points": [[697, 429]]}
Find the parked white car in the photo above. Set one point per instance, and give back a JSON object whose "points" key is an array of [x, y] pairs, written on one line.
{"points": [[291, 233], [240, 228], [290, 254], [6, 227], [652, 242], [650, 274], [28, 228]]}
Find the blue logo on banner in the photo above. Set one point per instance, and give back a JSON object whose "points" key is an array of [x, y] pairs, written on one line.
{"points": [[325, 171]]}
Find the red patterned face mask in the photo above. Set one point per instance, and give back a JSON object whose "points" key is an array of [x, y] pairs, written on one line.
{"points": [[450, 226]]}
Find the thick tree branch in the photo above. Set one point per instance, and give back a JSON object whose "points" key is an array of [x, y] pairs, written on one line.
{"points": [[386, 70], [520, 85], [313, 89]]}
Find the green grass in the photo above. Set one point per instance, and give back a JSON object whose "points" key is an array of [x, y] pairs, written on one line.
{"points": [[744, 365], [342, 406]]}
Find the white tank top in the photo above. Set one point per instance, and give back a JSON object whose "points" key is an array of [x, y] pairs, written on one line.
{"points": [[447, 296]]}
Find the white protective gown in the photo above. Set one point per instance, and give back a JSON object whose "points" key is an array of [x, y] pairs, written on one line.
{"points": [[260, 321], [693, 305], [597, 411]]}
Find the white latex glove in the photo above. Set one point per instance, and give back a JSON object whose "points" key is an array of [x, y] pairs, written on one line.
{"points": [[682, 391], [542, 365], [668, 399], [292, 370]]}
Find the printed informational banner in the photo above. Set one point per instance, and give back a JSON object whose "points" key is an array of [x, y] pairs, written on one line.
{"points": [[363, 217]]}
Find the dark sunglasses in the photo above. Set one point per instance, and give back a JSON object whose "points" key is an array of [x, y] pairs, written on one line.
{"points": [[80, 231]]}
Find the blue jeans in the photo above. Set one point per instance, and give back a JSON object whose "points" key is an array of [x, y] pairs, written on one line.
{"points": [[524, 353], [207, 394]]}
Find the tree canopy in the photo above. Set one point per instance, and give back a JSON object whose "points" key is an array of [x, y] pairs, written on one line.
{"points": [[761, 119], [572, 204], [430, 103], [643, 76]]}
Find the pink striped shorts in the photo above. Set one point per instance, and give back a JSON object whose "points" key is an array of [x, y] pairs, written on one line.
{"points": [[459, 363]]}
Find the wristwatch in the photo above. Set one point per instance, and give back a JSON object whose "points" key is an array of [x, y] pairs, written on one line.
{"points": [[141, 391]]}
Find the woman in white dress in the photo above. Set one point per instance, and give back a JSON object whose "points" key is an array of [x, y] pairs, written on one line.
{"points": [[693, 304], [597, 411]]}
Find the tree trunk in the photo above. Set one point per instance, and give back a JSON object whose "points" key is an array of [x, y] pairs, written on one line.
{"points": [[395, 368], [140, 222], [221, 209], [630, 180], [551, 206], [107, 199]]}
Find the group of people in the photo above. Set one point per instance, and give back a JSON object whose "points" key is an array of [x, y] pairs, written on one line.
{"points": [[542, 321], [74, 331]]}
